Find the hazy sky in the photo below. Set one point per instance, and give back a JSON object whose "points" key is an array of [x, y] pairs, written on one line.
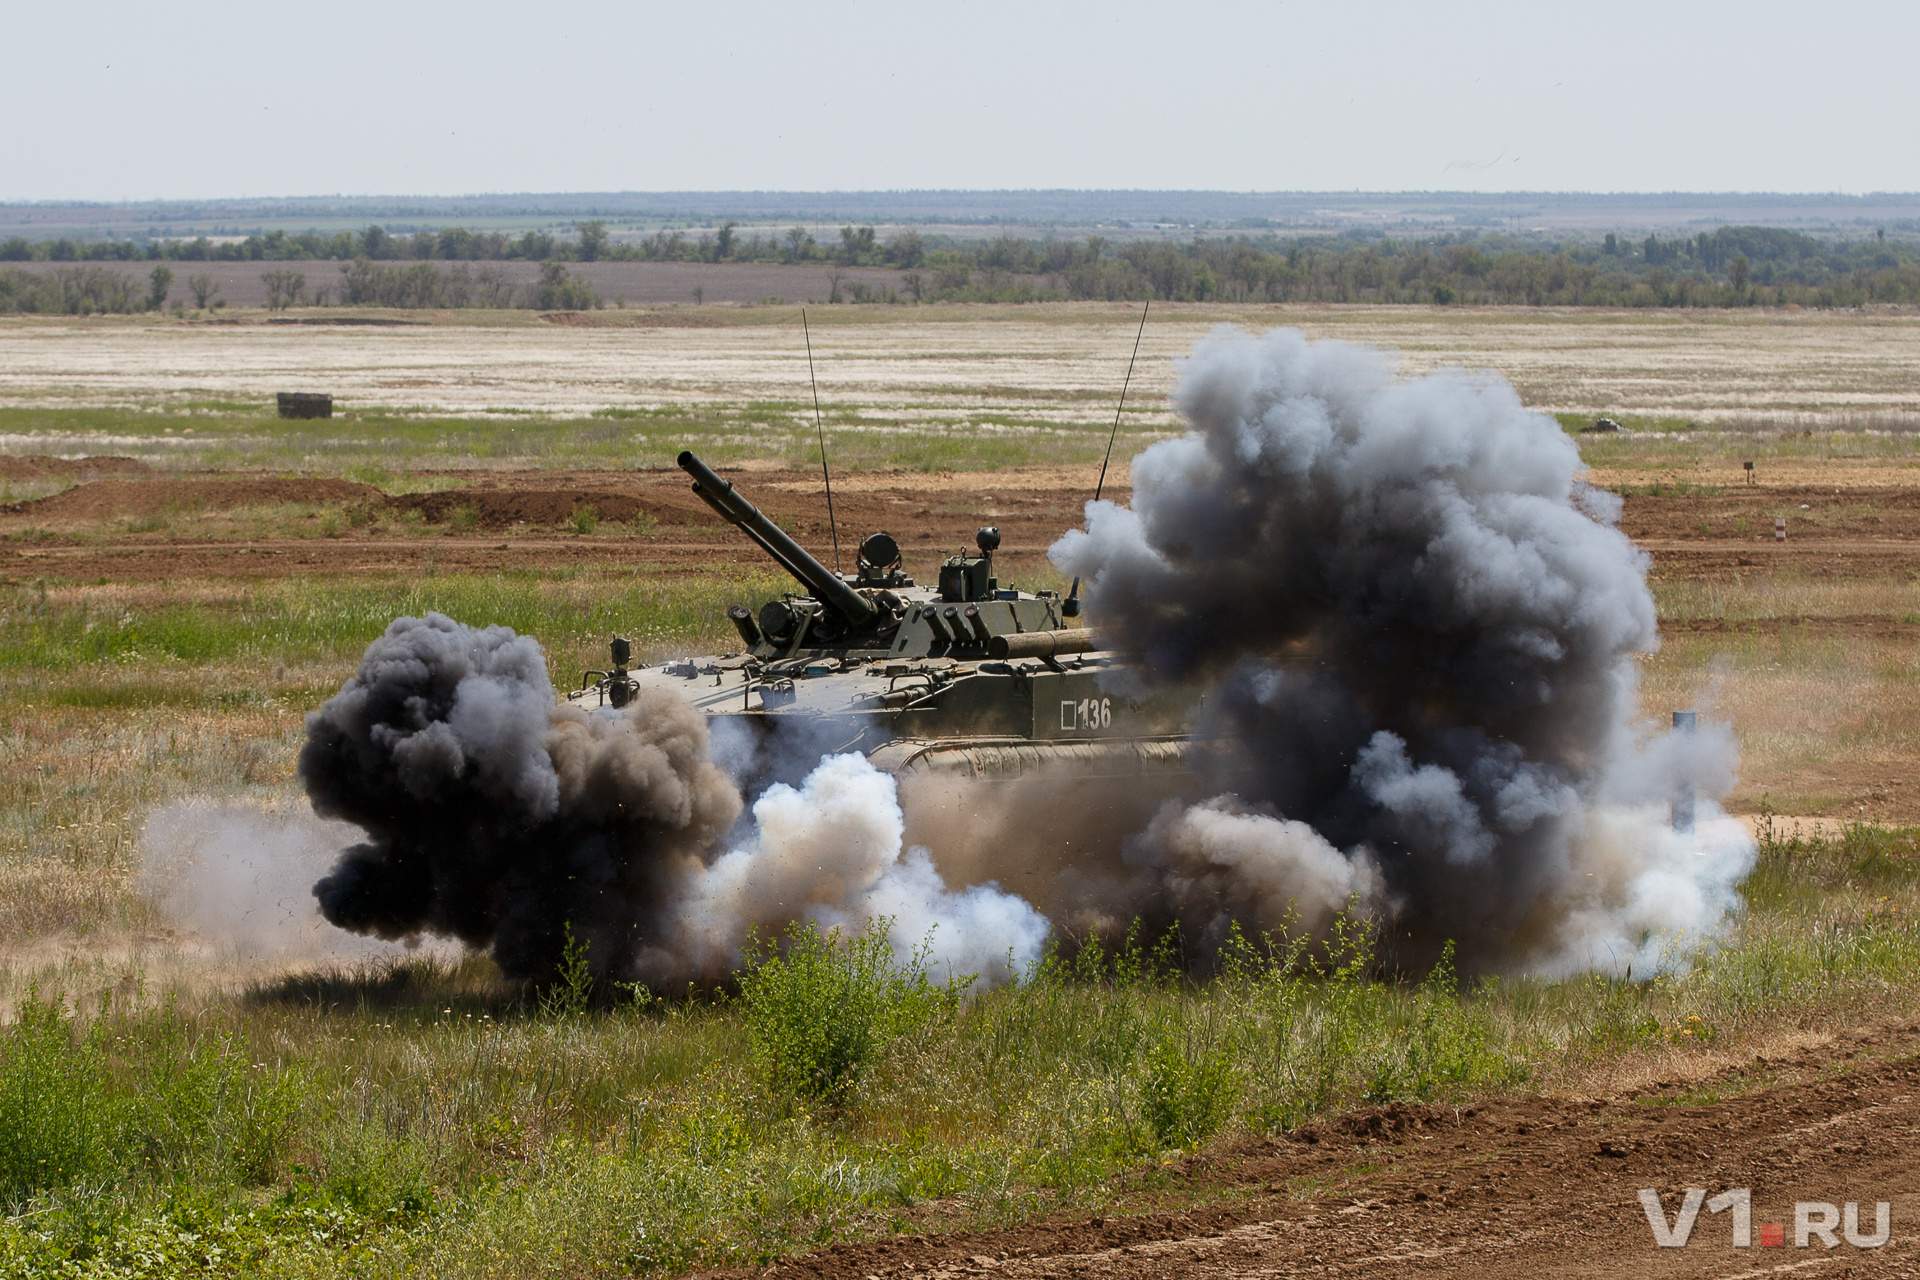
{"points": [[112, 101]]}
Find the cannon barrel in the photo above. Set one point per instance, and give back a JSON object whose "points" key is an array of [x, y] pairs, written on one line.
{"points": [[1040, 644], [736, 510]]}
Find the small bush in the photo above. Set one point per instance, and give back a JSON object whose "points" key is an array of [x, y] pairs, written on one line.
{"points": [[1189, 1090], [59, 1123], [571, 987], [1447, 1046], [822, 1008], [200, 1110], [463, 517], [377, 1175], [169, 1103], [585, 518], [284, 289], [160, 281], [558, 291]]}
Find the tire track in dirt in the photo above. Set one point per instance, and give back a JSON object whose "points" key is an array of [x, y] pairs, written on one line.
{"points": [[1522, 1187]]}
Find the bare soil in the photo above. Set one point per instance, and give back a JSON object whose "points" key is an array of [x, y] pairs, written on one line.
{"points": [[1856, 532], [1860, 531], [1524, 1188], [80, 470], [930, 515], [108, 499], [1039, 369], [651, 523]]}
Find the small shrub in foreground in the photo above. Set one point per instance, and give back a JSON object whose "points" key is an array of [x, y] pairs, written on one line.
{"points": [[822, 1007], [1189, 1090], [58, 1124], [129, 1098]]}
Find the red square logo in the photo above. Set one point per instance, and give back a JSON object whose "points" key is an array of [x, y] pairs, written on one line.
{"points": [[1773, 1235]]}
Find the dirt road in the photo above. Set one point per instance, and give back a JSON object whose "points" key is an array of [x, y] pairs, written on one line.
{"points": [[1526, 1188]]}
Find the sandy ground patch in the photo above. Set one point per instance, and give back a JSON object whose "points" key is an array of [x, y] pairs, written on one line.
{"points": [[1058, 364]]}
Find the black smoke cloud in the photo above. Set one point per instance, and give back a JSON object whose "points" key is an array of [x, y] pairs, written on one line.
{"points": [[1420, 630], [498, 817]]}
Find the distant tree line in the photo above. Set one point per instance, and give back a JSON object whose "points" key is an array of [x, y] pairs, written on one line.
{"points": [[428, 284], [82, 290], [1734, 266], [87, 289]]}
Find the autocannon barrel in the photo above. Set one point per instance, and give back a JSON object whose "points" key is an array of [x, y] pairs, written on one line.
{"points": [[736, 510], [1040, 644]]}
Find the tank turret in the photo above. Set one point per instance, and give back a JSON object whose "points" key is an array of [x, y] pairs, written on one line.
{"points": [[970, 675]]}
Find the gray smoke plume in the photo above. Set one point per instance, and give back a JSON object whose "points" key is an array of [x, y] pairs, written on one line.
{"points": [[1420, 628], [500, 818]]}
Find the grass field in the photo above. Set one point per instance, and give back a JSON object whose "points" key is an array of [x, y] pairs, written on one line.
{"points": [[168, 1108], [416, 1118]]}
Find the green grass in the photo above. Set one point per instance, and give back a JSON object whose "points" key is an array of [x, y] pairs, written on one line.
{"points": [[426, 1117], [375, 445], [123, 645], [1673, 489], [422, 1117], [1710, 442]]}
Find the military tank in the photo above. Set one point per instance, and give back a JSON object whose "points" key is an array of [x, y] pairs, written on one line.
{"points": [[968, 676]]}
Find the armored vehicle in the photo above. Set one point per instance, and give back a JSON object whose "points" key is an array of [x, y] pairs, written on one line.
{"points": [[969, 676]]}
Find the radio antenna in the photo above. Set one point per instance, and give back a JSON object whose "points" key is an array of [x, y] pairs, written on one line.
{"points": [[1070, 607], [821, 428]]}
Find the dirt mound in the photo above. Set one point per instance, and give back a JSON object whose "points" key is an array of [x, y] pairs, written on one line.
{"points": [[503, 508], [105, 499], [40, 467], [1376, 1123]]}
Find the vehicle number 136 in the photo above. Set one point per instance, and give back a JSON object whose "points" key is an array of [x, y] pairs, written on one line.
{"points": [[1087, 713]]}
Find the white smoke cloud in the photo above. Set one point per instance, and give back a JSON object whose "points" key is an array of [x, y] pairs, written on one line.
{"points": [[831, 851]]}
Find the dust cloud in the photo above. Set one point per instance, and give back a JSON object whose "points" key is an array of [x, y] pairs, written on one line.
{"points": [[238, 879]]}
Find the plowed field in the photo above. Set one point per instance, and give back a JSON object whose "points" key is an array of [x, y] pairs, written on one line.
{"points": [[1859, 531]]}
